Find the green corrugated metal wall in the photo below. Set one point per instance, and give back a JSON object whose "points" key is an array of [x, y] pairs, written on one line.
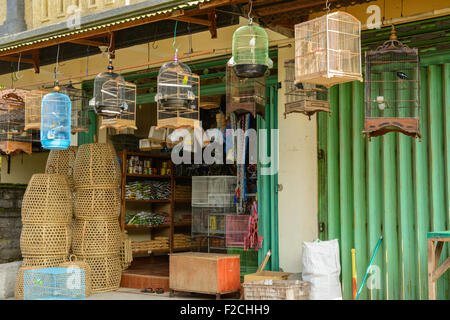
{"points": [[393, 186]]}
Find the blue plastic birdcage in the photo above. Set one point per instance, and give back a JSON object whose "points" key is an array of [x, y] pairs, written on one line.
{"points": [[54, 284], [55, 121]]}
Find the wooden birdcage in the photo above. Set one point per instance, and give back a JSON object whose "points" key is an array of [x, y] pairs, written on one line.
{"points": [[13, 136], [328, 50], [245, 95], [306, 98], [392, 89], [80, 113], [33, 101], [178, 97], [118, 92]]}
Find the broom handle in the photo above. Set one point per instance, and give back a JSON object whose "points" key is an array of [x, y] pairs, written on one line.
{"points": [[368, 267], [263, 264]]}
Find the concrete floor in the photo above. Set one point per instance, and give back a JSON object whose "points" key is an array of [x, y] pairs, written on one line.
{"points": [[135, 294]]}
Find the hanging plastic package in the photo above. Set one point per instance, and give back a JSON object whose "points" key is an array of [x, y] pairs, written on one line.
{"points": [[321, 267]]}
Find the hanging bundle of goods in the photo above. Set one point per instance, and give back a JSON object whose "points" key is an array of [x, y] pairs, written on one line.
{"points": [[97, 238], [13, 136], [46, 216], [392, 84]]}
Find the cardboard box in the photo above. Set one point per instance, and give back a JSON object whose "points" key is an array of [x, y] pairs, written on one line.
{"points": [[274, 275]]}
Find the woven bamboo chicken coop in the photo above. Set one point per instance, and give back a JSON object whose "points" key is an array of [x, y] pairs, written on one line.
{"points": [[33, 103], [328, 50], [245, 95], [13, 136], [392, 89], [178, 96], [306, 98], [80, 116]]}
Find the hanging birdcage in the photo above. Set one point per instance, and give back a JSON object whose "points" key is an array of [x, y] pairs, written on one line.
{"points": [[13, 136], [245, 95], [250, 50], [392, 89], [33, 101], [55, 121], [109, 93], [178, 96], [328, 50], [126, 119], [80, 116], [306, 98]]}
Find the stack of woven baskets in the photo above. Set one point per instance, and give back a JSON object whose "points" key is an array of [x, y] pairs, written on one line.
{"points": [[97, 238], [46, 216]]}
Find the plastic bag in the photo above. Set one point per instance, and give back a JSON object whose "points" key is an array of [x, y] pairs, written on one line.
{"points": [[321, 267]]}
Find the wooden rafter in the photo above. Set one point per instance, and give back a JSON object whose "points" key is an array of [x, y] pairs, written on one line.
{"points": [[193, 20], [289, 7], [213, 27], [33, 60], [91, 43]]}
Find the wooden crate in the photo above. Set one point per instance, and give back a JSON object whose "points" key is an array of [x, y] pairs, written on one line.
{"points": [[208, 273], [277, 290], [263, 275]]}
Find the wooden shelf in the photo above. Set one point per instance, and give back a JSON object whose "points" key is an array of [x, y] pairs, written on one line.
{"points": [[166, 250], [132, 226], [148, 176], [147, 155], [183, 200], [182, 177], [148, 201], [182, 224]]}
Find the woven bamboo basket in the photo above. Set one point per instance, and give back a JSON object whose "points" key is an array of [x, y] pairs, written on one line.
{"points": [[18, 287], [96, 165], [62, 162], [43, 261], [106, 272], [97, 204], [45, 240], [47, 200], [126, 254], [75, 263], [276, 290], [94, 238]]}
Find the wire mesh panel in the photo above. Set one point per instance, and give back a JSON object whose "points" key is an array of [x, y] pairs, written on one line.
{"points": [[306, 98], [33, 103], [392, 89], [54, 284], [80, 112], [118, 92], [328, 50], [245, 95], [13, 136], [213, 191]]}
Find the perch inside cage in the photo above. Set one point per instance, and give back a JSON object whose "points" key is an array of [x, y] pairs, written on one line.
{"points": [[33, 101], [13, 136], [328, 50], [245, 95], [56, 121], [80, 116], [178, 96], [305, 98], [127, 118], [109, 93], [250, 51], [392, 89]]}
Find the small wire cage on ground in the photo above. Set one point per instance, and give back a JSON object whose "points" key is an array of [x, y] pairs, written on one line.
{"points": [[13, 136], [237, 228], [178, 96], [306, 98], [245, 95], [80, 113], [33, 103], [54, 284], [392, 89], [328, 50], [117, 92]]}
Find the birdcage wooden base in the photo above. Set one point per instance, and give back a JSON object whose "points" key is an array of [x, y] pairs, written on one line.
{"points": [[177, 123], [329, 79], [118, 124], [308, 107], [10, 147], [374, 127], [247, 107]]}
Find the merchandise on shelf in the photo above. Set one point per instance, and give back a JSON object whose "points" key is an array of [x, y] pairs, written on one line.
{"points": [[146, 218], [147, 190]]}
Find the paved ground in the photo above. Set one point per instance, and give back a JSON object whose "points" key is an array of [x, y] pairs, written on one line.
{"points": [[135, 294]]}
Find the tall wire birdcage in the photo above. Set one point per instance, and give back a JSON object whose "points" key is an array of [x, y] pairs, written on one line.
{"points": [[80, 112], [13, 136], [127, 118], [392, 89], [33, 101], [305, 98], [178, 96], [328, 50], [245, 95]]}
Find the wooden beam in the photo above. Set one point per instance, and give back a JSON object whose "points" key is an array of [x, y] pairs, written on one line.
{"points": [[193, 20], [213, 28], [35, 56], [438, 272], [16, 59], [289, 6], [220, 3], [91, 43]]}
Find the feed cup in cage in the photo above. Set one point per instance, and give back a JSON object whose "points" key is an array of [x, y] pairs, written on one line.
{"points": [[328, 50]]}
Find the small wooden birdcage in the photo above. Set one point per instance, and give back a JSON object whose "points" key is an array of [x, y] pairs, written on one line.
{"points": [[33, 101], [306, 98], [328, 50], [13, 136], [245, 95], [80, 116], [127, 118], [392, 89], [178, 96]]}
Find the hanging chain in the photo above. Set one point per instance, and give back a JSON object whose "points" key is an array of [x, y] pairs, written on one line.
{"points": [[56, 66], [18, 69], [327, 5], [250, 18]]}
